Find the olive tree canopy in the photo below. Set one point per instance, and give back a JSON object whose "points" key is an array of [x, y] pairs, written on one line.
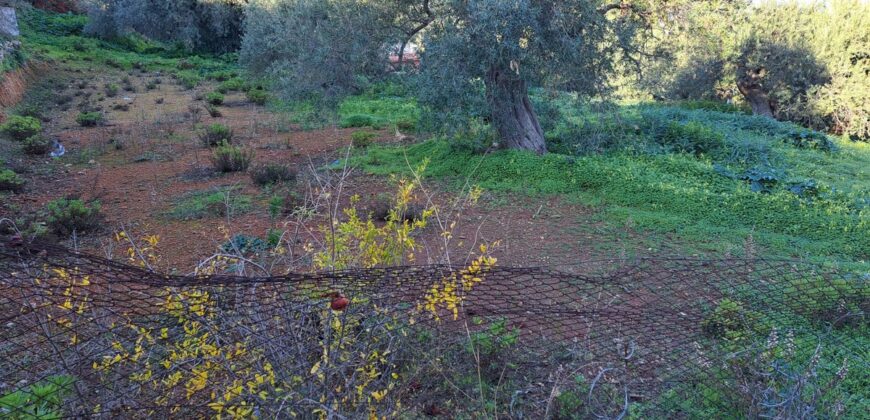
{"points": [[494, 48]]}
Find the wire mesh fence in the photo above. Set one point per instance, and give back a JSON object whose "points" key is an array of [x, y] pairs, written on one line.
{"points": [[649, 338]]}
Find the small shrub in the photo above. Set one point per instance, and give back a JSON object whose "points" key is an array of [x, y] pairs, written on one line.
{"points": [[809, 139], [222, 75], [215, 135], [20, 128], [89, 119], [10, 181], [272, 173], [214, 98], [362, 139], [65, 216], [37, 145], [188, 81], [257, 96], [284, 203], [732, 321], [384, 207], [213, 111], [244, 244], [229, 158], [111, 90], [231, 85], [361, 120]]}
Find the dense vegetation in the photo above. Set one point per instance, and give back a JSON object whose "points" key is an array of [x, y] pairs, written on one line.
{"points": [[753, 149]]}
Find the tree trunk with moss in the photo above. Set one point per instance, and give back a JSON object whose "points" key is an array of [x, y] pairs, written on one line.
{"points": [[512, 112]]}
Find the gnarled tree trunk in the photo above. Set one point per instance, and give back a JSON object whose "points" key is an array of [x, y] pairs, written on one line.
{"points": [[749, 83], [757, 98], [512, 112]]}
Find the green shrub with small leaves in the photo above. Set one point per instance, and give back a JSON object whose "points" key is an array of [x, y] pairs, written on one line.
{"points": [[65, 216], [215, 98], [229, 158], [731, 320], [10, 181], [37, 145], [20, 128], [232, 85], [362, 120], [258, 96], [215, 135], [362, 139], [112, 90], [89, 119], [271, 174]]}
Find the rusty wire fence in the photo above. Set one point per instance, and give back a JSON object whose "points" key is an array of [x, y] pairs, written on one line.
{"points": [[82, 336]]}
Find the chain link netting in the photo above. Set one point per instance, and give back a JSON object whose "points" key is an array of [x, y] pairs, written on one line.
{"points": [[82, 336]]}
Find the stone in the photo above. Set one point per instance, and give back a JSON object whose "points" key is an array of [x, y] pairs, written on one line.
{"points": [[8, 23]]}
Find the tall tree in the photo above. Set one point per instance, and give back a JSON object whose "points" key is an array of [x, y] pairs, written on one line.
{"points": [[508, 45]]}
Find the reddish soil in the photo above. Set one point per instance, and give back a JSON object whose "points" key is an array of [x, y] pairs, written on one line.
{"points": [[159, 160]]}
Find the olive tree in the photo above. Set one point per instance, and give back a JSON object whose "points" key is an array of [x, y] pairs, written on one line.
{"points": [[792, 60], [496, 49], [204, 25]]}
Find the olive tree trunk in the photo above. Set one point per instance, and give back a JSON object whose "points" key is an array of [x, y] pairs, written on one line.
{"points": [[757, 99], [512, 112]]}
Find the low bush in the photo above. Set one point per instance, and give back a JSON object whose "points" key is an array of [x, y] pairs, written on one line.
{"points": [[272, 173], [231, 85], [213, 111], [89, 119], [111, 90], [244, 244], [37, 145], [362, 120], [187, 80], [731, 320], [215, 98], [222, 75], [65, 216], [215, 135], [229, 158], [10, 181], [809, 139], [362, 139], [384, 208], [258, 96], [20, 128]]}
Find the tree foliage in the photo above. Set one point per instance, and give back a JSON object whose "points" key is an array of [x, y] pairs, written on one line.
{"points": [[479, 56], [805, 62], [202, 25]]}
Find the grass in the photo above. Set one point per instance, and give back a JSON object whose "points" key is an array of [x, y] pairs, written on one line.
{"points": [[224, 202], [375, 111], [59, 37], [682, 193]]}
